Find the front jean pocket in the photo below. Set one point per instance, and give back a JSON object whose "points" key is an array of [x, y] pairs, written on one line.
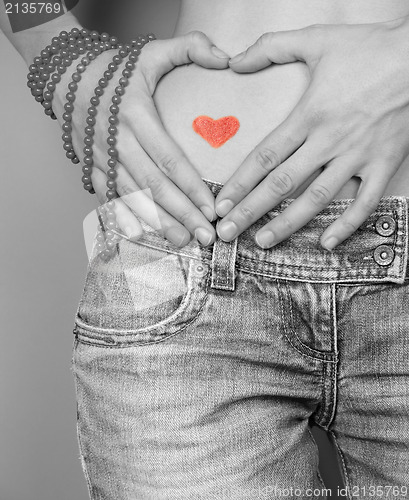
{"points": [[143, 294]]}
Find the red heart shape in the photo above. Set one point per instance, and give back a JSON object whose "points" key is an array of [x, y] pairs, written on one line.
{"points": [[216, 132]]}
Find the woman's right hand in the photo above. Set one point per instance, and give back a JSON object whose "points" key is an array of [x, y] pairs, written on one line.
{"points": [[155, 180]]}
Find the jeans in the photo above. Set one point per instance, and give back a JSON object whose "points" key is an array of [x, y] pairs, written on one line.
{"points": [[199, 371]]}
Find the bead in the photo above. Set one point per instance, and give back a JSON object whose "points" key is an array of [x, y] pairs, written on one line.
{"points": [[75, 32], [111, 216], [76, 77], [51, 86], [113, 119], [49, 112], [67, 117], [113, 40], [87, 169], [91, 56], [89, 141], [119, 90], [116, 99], [123, 53], [91, 120], [88, 187], [73, 86], [56, 78], [86, 179], [70, 154], [69, 107], [84, 31], [124, 80], [89, 130], [99, 92], [133, 58], [110, 245], [47, 105], [67, 146], [111, 173], [94, 35], [108, 74], [92, 111], [117, 59], [94, 100], [114, 109], [48, 95], [85, 61], [61, 69], [110, 194], [110, 205], [111, 184], [88, 160], [130, 65], [112, 66], [66, 137], [39, 98], [103, 82], [104, 37], [111, 140], [70, 96], [81, 68], [67, 127], [112, 130]]}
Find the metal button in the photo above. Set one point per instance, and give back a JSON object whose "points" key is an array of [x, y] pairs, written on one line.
{"points": [[200, 269], [384, 255], [385, 225]]}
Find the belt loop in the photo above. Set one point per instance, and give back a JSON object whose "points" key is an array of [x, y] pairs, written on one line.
{"points": [[223, 264]]}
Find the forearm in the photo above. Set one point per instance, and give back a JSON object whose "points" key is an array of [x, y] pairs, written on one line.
{"points": [[30, 42]]}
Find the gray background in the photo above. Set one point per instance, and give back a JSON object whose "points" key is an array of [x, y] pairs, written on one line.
{"points": [[43, 259]]}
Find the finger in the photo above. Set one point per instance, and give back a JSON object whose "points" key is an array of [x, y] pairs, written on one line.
{"points": [[125, 219], [273, 150], [142, 205], [164, 192], [281, 47], [161, 56], [366, 202], [277, 186], [168, 156], [317, 196]]}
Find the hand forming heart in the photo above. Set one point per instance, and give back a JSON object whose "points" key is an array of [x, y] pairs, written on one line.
{"points": [[353, 120]]}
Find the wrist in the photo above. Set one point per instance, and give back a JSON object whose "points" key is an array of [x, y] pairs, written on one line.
{"points": [[30, 42]]}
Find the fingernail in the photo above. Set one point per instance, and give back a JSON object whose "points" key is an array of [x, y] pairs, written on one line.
{"points": [[219, 53], [208, 213], [265, 239], [204, 236], [132, 233], [237, 58], [330, 243], [227, 230], [177, 236], [224, 207]]}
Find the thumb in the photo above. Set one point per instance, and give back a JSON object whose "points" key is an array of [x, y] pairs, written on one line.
{"points": [[194, 47], [280, 47]]}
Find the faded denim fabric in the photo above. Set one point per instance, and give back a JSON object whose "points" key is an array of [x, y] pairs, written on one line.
{"points": [[199, 370]]}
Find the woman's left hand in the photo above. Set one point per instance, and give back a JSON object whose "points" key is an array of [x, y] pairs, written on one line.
{"points": [[353, 120]]}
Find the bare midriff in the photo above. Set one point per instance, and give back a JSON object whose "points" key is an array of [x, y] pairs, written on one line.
{"points": [[261, 100]]}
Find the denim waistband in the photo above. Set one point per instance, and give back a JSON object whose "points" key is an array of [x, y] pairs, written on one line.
{"points": [[376, 252]]}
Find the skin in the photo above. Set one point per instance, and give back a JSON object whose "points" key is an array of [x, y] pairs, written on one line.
{"points": [[155, 181], [335, 108], [352, 120]]}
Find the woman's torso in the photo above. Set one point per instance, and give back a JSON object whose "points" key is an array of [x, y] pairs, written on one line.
{"points": [[262, 100]]}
